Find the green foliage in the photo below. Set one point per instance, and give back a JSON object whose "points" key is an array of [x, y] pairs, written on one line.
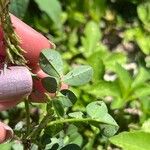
{"points": [[143, 11], [52, 9], [98, 111], [91, 39], [6, 146], [50, 84], [69, 95], [51, 62], [106, 43], [19, 7], [78, 76], [132, 140]]}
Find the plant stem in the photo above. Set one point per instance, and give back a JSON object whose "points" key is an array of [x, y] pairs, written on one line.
{"points": [[41, 126], [72, 120], [48, 118], [27, 108]]}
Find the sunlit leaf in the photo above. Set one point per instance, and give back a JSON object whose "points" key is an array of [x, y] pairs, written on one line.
{"points": [[73, 135], [77, 115], [98, 110], [53, 10], [143, 11], [65, 101], [142, 76], [136, 140], [98, 66], [6, 146], [142, 91], [104, 88], [124, 78], [17, 146], [51, 62], [91, 39], [78, 76]]}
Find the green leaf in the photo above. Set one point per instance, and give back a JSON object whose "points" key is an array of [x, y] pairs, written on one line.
{"points": [[58, 107], [71, 147], [73, 135], [113, 58], [6, 146], [142, 38], [91, 39], [17, 146], [51, 62], [70, 95], [143, 43], [136, 140], [118, 103], [146, 126], [54, 143], [98, 110], [142, 76], [53, 10], [18, 7], [79, 76], [143, 11], [124, 78], [65, 101], [142, 91], [34, 146], [97, 9], [50, 84], [104, 88], [50, 131], [132, 34], [108, 130], [77, 115], [98, 66]]}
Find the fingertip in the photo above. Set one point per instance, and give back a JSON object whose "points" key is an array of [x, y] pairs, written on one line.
{"points": [[2, 134], [6, 133]]}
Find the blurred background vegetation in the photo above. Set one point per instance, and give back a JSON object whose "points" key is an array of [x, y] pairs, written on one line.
{"points": [[110, 35]]}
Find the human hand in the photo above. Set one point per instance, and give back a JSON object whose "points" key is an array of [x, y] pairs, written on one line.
{"points": [[32, 42], [33, 48]]}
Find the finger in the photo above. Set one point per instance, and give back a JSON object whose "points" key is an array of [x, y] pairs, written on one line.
{"points": [[8, 104], [2, 134], [15, 82], [6, 133]]}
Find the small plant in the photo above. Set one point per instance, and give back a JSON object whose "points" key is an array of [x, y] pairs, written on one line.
{"points": [[77, 104], [58, 123]]}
